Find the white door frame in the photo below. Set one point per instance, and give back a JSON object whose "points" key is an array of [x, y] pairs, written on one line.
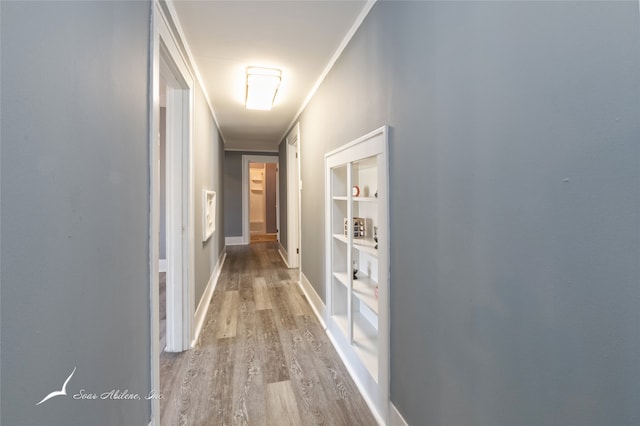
{"points": [[294, 185], [178, 204], [246, 159], [166, 59]]}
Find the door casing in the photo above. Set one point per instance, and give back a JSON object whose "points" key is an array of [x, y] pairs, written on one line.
{"points": [[294, 185], [168, 61]]}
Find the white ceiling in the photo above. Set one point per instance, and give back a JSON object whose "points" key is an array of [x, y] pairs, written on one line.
{"points": [[298, 37]]}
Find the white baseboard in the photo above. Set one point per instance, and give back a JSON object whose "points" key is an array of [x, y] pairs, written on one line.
{"points": [[283, 254], [162, 265], [234, 241], [315, 301], [395, 418], [203, 306]]}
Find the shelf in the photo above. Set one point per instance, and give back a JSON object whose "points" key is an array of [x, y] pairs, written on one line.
{"points": [[365, 199], [341, 320], [358, 319], [359, 199], [365, 245], [341, 238], [365, 340], [256, 179], [343, 277], [364, 288]]}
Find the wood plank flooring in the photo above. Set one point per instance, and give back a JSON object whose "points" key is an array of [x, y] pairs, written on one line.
{"points": [[162, 291], [262, 357], [263, 238]]}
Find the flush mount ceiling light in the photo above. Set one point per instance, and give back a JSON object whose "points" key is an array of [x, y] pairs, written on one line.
{"points": [[262, 86]]}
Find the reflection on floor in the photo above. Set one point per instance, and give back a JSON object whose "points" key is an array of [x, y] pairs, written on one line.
{"points": [[262, 357]]}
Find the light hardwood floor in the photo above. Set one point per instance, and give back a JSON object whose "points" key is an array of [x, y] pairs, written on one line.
{"points": [[262, 357], [263, 238]]}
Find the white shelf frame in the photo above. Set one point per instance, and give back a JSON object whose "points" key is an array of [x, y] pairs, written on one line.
{"points": [[361, 334]]}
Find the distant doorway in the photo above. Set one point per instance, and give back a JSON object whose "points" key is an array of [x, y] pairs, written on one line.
{"points": [[260, 198], [257, 198], [262, 202]]}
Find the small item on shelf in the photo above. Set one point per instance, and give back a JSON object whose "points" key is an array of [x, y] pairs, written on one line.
{"points": [[359, 227], [355, 190], [354, 262], [376, 292], [376, 194], [375, 236]]}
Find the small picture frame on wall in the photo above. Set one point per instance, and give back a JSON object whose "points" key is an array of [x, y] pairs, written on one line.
{"points": [[208, 214]]}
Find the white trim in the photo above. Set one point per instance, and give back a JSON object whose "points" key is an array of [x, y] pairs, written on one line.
{"points": [[256, 150], [315, 301], [375, 391], [246, 159], [234, 241], [191, 60], [395, 418], [294, 207], [205, 301], [179, 190], [283, 254], [162, 265], [384, 130], [336, 55], [190, 289], [154, 212]]}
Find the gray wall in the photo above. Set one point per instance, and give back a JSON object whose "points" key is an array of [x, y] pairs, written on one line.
{"points": [[270, 194], [232, 194], [233, 190], [514, 156], [208, 174], [75, 210], [282, 164]]}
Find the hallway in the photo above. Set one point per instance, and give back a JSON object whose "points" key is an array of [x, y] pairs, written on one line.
{"points": [[262, 357]]}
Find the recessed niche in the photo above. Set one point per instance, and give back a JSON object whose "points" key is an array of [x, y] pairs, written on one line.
{"points": [[208, 214]]}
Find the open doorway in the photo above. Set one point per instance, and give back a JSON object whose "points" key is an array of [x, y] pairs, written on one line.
{"points": [[171, 202], [162, 249], [263, 202], [260, 190], [178, 204]]}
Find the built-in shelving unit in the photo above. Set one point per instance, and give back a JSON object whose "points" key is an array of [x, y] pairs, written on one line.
{"points": [[357, 251]]}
